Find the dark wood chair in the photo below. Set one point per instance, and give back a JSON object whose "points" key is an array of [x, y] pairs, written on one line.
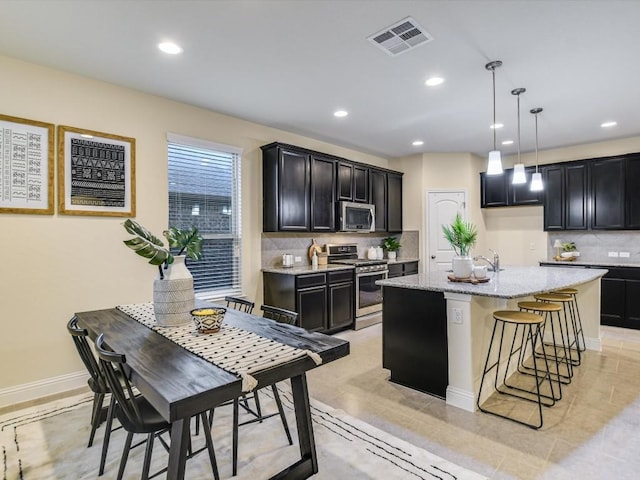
{"points": [[240, 304], [98, 385], [283, 316], [136, 414]]}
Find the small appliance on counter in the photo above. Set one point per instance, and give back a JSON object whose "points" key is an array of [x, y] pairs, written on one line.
{"points": [[287, 260]]}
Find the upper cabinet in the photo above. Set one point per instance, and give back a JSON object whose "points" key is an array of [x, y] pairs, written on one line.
{"points": [[302, 188], [608, 193], [498, 191], [565, 196]]}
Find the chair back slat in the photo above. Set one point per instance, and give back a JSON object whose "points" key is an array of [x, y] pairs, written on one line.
{"points": [[79, 336], [240, 304], [280, 314], [117, 377]]}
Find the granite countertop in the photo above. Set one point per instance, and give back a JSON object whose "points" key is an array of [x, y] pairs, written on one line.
{"points": [[608, 262], [300, 269], [512, 282]]}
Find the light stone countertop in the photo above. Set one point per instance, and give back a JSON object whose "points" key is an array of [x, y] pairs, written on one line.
{"points": [[610, 262], [302, 269], [512, 282]]}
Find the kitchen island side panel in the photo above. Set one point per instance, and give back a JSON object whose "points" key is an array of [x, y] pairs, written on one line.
{"points": [[414, 339]]}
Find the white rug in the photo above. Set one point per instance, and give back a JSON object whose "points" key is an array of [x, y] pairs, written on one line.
{"points": [[49, 442]]}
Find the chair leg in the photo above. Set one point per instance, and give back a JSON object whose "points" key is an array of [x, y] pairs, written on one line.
{"points": [[125, 455], [212, 454], [98, 398], [276, 396], [256, 399], [147, 456], [235, 437], [107, 434]]}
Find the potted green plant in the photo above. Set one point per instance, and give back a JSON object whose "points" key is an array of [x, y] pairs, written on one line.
{"points": [[462, 236], [391, 245], [173, 295]]}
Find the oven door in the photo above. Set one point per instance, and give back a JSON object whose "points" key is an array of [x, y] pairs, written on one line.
{"points": [[368, 294]]}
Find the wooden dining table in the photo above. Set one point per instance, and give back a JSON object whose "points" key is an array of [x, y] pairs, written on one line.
{"points": [[180, 384]]}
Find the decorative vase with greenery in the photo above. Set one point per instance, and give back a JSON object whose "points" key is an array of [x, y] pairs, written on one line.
{"points": [[462, 236], [173, 295], [391, 245]]}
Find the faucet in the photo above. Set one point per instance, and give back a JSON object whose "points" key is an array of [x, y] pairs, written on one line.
{"points": [[495, 265]]}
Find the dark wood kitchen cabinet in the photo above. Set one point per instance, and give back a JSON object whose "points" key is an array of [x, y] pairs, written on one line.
{"points": [[608, 193], [498, 191], [323, 194], [353, 182], [394, 203], [632, 192], [400, 269], [619, 293], [378, 197], [566, 198], [324, 300]]}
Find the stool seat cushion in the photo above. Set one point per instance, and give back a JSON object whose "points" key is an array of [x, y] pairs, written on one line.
{"points": [[567, 291], [515, 316], [554, 297], [540, 306]]}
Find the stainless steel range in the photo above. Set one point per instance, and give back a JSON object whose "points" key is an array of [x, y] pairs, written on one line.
{"points": [[368, 295]]}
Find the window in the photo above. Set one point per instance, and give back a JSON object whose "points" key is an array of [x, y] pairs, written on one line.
{"points": [[204, 191]]}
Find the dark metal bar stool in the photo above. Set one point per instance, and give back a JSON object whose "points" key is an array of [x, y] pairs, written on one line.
{"points": [[530, 324], [547, 310], [574, 305], [570, 322]]}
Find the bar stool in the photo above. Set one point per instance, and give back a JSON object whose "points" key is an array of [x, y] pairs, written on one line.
{"points": [[531, 324], [547, 310], [569, 320], [574, 295]]}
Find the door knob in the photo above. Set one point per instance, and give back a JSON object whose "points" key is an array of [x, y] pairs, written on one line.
{"points": [[433, 257]]}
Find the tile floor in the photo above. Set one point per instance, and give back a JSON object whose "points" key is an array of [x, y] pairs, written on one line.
{"points": [[592, 433]]}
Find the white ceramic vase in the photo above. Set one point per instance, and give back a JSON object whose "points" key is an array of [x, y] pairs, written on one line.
{"points": [[462, 266], [173, 296], [392, 255]]}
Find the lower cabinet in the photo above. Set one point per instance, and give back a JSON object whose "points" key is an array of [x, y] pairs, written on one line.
{"points": [[324, 300], [400, 269]]}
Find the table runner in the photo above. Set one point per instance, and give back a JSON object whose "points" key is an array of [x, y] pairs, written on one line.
{"points": [[233, 349]]}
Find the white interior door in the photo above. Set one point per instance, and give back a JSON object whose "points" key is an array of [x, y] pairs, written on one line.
{"points": [[442, 209]]}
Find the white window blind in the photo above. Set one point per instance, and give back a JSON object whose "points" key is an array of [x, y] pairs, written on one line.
{"points": [[204, 191]]}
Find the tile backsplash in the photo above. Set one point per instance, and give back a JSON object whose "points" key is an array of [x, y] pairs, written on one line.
{"points": [[297, 244], [595, 246]]}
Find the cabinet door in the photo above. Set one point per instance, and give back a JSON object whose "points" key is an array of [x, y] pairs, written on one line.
{"points": [[378, 196], [340, 305], [323, 181], [612, 301], [312, 308], [576, 197], [293, 191], [493, 190], [632, 193], [394, 204], [553, 197], [521, 194], [395, 270], [345, 181], [411, 268], [607, 193], [360, 184], [632, 306]]}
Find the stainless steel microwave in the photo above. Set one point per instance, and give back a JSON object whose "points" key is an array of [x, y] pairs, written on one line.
{"points": [[357, 217]]}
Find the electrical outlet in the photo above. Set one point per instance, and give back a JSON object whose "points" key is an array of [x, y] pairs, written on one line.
{"points": [[457, 316], [297, 259], [613, 254], [624, 254]]}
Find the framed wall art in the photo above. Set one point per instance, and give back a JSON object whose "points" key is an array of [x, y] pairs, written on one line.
{"points": [[96, 173], [26, 166]]}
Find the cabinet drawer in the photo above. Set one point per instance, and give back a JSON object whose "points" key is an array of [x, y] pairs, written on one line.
{"points": [[395, 270], [311, 280], [411, 268], [341, 276]]}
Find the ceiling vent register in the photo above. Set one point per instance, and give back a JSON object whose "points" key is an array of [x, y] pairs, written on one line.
{"points": [[401, 37]]}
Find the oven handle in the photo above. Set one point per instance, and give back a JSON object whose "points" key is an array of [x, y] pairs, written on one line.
{"points": [[368, 274]]}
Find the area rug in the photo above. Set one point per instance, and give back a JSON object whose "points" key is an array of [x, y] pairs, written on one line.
{"points": [[49, 442]]}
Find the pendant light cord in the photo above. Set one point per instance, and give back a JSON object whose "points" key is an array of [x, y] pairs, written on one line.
{"points": [[493, 73], [519, 129], [536, 117]]}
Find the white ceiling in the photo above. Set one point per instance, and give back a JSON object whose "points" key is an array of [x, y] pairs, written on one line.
{"points": [[290, 64]]}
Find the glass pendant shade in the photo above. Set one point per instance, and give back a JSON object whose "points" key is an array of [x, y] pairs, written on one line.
{"points": [[494, 166], [518, 174], [536, 182]]}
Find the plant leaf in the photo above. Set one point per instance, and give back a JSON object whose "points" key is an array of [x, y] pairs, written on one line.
{"points": [[145, 244]]}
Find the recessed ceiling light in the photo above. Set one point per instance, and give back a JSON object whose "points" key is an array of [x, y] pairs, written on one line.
{"points": [[507, 142], [433, 81], [340, 113], [608, 124], [497, 125], [170, 48], [417, 143]]}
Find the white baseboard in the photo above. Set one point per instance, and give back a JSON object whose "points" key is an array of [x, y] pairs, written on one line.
{"points": [[463, 399], [593, 343], [42, 388]]}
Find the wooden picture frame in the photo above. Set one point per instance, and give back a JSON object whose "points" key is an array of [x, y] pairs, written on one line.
{"points": [[26, 166], [96, 173]]}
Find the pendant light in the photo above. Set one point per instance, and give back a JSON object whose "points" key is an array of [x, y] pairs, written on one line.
{"points": [[536, 179], [518, 169], [494, 166]]}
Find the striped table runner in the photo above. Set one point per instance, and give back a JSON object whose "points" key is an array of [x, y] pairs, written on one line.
{"points": [[235, 350]]}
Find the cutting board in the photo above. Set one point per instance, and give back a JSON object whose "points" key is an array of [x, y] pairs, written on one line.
{"points": [[314, 248], [468, 280]]}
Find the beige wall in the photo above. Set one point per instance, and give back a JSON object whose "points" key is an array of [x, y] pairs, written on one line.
{"points": [[56, 265]]}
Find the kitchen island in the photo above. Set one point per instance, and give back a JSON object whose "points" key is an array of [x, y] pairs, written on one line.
{"points": [[436, 332]]}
